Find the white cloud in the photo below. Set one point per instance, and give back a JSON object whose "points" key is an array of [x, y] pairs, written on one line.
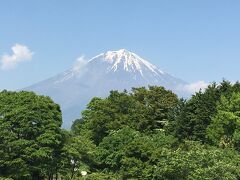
{"points": [[20, 53], [80, 64], [194, 87], [78, 69]]}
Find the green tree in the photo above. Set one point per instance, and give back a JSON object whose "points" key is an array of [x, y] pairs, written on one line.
{"points": [[194, 115], [133, 155], [127, 152], [191, 160], [111, 150], [78, 155], [145, 110], [30, 135], [224, 130], [99, 176], [158, 104]]}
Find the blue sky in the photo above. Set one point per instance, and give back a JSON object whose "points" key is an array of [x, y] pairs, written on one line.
{"points": [[193, 40]]}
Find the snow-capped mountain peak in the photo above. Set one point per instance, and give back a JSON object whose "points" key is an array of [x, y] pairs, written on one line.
{"points": [[118, 62], [127, 60]]}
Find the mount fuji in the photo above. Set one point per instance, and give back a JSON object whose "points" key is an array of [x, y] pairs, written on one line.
{"points": [[112, 70]]}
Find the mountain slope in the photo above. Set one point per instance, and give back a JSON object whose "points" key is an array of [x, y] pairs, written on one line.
{"points": [[113, 70]]}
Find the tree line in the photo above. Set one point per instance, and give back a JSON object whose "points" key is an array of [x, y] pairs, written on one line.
{"points": [[148, 133]]}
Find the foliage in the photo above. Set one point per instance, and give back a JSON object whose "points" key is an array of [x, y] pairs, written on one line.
{"points": [[224, 130], [144, 110], [158, 156], [192, 158], [193, 116], [78, 155], [99, 176], [146, 134], [30, 135], [158, 102]]}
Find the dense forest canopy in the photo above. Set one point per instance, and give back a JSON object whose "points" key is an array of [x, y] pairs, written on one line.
{"points": [[148, 133]]}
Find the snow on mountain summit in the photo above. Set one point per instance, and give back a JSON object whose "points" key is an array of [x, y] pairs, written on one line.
{"points": [[116, 63], [127, 60]]}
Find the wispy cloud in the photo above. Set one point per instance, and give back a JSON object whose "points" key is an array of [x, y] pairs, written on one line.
{"points": [[194, 87], [80, 63], [78, 69], [20, 53]]}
